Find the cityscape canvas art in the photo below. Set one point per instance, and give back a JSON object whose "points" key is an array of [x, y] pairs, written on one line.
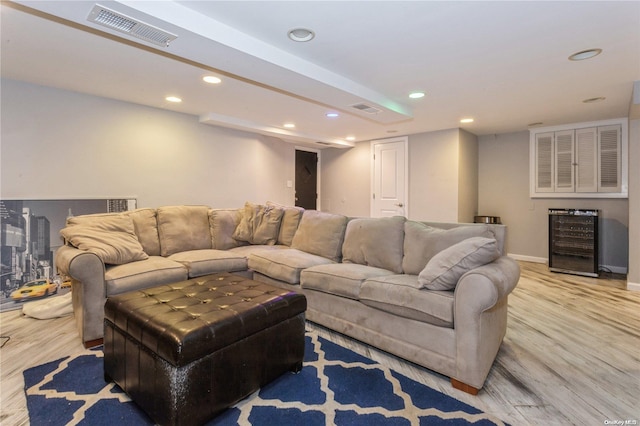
{"points": [[30, 236]]}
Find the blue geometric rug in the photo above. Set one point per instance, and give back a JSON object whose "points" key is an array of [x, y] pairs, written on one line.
{"points": [[335, 387]]}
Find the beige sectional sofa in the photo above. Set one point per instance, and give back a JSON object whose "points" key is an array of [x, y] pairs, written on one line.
{"points": [[432, 293]]}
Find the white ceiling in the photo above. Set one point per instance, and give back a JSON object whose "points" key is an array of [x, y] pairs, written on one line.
{"points": [[503, 63]]}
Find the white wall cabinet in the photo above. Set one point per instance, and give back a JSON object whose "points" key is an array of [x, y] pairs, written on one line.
{"points": [[585, 160]]}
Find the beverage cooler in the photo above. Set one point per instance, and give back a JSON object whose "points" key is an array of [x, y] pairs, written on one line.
{"points": [[573, 241]]}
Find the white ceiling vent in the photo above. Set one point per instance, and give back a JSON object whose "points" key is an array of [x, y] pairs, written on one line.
{"points": [[366, 108], [124, 24]]}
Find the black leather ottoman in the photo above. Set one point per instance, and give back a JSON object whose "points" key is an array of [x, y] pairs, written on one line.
{"points": [[186, 351]]}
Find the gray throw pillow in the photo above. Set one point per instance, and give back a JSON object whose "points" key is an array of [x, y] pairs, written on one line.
{"points": [[445, 268], [259, 224]]}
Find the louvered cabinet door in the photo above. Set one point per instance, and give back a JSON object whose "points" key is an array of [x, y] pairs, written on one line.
{"points": [[609, 154], [544, 162], [564, 161], [587, 160]]}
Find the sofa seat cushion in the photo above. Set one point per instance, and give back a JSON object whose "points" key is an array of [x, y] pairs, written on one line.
{"points": [[246, 251], [284, 265], [399, 295], [211, 261], [153, 271], [341, 279]]}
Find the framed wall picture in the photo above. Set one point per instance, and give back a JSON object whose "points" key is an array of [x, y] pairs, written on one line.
{"points": [[30, 235]]}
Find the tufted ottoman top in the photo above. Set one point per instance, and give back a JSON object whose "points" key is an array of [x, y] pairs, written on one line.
{"points": [[187, 320]]}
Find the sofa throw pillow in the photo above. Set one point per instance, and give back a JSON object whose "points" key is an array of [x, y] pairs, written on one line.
{"points": [[445, 268], [259, 224], [145, 226], [112, 239], [183, 228], [289, 223], [422, 242], [321, 234], [376, 242]]}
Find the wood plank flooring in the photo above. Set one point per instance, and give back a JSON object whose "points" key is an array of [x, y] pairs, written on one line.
{"points": [[571, 354]]}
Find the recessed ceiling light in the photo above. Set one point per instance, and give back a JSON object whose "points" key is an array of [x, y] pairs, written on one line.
{"points": [[585, 54], [301, 34], [332, 114], [416, 95], [592, 100], [173, 99], [467, 120], [350, 138], [289, 125], [211, 79]]}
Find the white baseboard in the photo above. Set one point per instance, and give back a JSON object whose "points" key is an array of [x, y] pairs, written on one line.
{"points": [[633, 286], [534, 259], [525, 258]]}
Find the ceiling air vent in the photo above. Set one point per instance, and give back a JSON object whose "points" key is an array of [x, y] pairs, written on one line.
{"points": [[366, 108], [323, 143], [124, 24]]}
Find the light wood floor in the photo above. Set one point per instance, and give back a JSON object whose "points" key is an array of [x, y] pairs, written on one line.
{"points": [[571, 354]]}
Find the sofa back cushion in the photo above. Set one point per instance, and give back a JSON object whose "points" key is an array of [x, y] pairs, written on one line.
{"points": [[289, 223], [183, 228], [422, 242], [376, 242], [321, 233], [222, 224]]}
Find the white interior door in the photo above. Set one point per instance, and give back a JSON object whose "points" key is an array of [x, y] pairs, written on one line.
{"points": [[389, 177]]}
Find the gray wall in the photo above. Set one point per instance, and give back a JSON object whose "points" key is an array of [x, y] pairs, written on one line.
{"points": [[61, 144], [346, 180], [468, 177], [504, 191], [633, 276]]}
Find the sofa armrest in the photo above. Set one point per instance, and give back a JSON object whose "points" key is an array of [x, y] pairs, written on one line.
{"points": [[480, 317], [481, 288], [86, 270]]}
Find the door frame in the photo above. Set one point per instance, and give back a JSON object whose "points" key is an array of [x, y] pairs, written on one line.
{"points": [[318, 174], [373, 143]]}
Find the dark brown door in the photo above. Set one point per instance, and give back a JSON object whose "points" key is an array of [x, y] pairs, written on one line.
{"points": [[306, 179]]}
